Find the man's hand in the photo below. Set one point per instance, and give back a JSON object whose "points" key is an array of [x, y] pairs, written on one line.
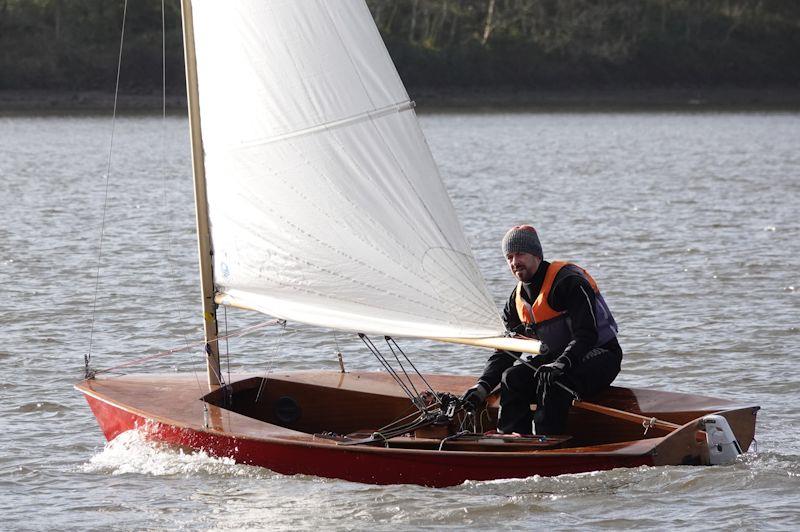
{"points": [[547, 374], [476, 395], [534, 362]]}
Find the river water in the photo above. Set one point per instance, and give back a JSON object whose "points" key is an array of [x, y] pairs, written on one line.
{"points": [[689, 221]]}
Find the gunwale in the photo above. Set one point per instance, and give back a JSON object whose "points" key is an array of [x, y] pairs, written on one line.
{"points": [[174, 400]]}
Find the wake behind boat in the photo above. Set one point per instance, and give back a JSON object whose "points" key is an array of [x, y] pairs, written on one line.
{"points": [[318, 201]]}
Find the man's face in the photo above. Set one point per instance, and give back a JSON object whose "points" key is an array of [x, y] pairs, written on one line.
{"points": [[523, 265]]}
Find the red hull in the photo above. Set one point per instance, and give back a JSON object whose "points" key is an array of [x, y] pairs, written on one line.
{"points": [[253, 442], [357, 464]]}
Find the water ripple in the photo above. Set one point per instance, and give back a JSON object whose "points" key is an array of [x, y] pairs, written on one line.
{"points": [[688, 221]]}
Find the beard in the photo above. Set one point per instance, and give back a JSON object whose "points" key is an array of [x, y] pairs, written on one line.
{"points": [[523, 274]]}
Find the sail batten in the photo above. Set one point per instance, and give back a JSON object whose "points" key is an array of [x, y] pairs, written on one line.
{"points": [[327, 126], [325, 203]]}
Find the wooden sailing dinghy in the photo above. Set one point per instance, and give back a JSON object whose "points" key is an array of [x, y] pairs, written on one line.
{"points": [[318, 201], [301, 422]]}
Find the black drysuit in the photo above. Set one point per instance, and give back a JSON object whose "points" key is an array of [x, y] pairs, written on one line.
{"points": [[593, 368]]}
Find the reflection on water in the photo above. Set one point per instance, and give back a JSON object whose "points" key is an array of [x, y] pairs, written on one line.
{"points": [[688, 221]]}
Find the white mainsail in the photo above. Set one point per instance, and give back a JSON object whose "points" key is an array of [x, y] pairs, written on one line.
{"points": [[325, 204]]}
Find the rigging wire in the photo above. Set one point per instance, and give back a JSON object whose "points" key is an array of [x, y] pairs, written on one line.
{"points": [[390, 341], [165, 203], [87, 358], [170, 263], [402, 368], [336, 341], [227, 345], [268, 369], [415, 399], [217, 374], [236, 334]]}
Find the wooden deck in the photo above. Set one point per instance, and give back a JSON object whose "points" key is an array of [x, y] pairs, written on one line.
{"points": [[171, 409]]}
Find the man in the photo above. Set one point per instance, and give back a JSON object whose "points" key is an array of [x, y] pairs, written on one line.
{"points": [[559, 304]]}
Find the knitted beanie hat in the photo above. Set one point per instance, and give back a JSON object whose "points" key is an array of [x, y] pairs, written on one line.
{"points": [[522, 239]]}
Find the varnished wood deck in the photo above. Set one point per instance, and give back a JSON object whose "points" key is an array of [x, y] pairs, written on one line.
{"points": [[172, 404], [175, 400]]}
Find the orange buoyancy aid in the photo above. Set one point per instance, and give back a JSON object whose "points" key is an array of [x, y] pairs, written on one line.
{"points": [[554, 327]]}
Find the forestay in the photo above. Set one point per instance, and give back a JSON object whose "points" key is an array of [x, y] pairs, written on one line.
{"points": [[325, 203]]}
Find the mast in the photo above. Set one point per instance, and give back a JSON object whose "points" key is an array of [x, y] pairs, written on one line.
{"points": [[210, 328]]}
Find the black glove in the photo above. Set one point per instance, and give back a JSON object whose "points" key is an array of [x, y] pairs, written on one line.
{"points": [[476, 395], [546, 376], [535, 361]]}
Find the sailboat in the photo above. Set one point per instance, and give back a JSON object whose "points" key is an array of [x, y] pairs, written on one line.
{"points": [[318, 201]]}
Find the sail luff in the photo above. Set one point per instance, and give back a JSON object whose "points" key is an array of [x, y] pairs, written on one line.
{"points": [[210, 327]]}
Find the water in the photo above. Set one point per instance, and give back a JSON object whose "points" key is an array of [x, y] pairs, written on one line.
{"points": [[689, 221]]}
